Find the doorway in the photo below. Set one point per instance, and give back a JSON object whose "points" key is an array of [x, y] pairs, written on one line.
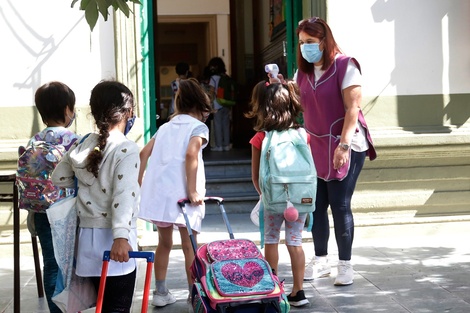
{"points": [[187, 39]]}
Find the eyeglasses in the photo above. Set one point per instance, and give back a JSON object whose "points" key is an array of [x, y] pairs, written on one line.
{"points": [[309, 20]]}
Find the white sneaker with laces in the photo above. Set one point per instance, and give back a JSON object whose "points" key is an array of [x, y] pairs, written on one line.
{"points": [[316, 268], [345, 273], [160, 300]]}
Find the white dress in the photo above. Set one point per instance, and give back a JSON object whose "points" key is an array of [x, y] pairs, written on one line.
{"points": [[165, 177]]}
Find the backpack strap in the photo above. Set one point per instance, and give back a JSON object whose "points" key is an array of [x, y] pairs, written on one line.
{"points": [[83, 138], [261, 224]]}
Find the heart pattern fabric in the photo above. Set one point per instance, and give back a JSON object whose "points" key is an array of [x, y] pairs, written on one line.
{"points": [[247, 276], [241, 277]]}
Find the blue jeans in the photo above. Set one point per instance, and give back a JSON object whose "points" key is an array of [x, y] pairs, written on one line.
{"points": [[43, 230], [336, 194]]}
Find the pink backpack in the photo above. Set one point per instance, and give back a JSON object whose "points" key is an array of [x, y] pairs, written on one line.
{"points": [[234, 270]]}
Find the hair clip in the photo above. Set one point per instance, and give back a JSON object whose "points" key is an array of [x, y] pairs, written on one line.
{"points": [[267, 84], [97, 149]]}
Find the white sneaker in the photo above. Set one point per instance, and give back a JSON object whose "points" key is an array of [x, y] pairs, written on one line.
{"points": [[162, 300], [345, 274], [218, 149], [316, 268]]}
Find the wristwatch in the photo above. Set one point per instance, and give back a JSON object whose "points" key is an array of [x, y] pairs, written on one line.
{"points": [[344, 146]]}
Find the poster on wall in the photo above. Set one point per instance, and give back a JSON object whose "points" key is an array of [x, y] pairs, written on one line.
{"points": [[277, 18]]}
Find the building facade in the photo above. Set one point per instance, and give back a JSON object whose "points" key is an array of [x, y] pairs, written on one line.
{"points": [[414, 57]]}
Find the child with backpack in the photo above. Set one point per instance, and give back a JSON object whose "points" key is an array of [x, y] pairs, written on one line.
{"points": [[275, 108], [175, 171], [55, 102], [106, 166], [221, 112]]}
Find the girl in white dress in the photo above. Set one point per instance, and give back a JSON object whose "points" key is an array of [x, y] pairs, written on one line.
{"points": [[175, 171]]}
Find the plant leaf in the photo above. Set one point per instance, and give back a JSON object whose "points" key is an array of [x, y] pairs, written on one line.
{"points": [[135, 1], [103, 6], [73, 3], [123, 7], [91, 14], [84, 4], [114, 4]]}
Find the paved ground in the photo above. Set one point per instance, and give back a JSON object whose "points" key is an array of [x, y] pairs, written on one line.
{"points": [[400, 268]]}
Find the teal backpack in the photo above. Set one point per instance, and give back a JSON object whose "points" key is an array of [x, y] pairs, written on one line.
{"points": [[287, 171]]}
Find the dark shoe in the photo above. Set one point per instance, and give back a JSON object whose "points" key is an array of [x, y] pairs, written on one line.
{"points": [[297, 300]]}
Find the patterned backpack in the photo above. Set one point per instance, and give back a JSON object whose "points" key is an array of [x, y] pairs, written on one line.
{"points": [[33, 178], [233, 276]]}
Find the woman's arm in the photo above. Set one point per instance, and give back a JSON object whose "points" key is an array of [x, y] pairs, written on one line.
{"points": [[352, 97]]}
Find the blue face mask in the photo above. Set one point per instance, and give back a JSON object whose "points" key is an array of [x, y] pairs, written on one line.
{"points": [[311, 52], [71, 120], [129, 124]]}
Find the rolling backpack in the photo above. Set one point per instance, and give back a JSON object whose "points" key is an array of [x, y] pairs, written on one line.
{"points": [[231, 275]]}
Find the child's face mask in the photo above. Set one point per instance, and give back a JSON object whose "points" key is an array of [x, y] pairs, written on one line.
{"points": [[71, 120], [129, 124]]}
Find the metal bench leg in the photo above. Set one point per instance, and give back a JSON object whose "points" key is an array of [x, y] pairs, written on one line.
{"points": [[16, 251], [37, 267]]}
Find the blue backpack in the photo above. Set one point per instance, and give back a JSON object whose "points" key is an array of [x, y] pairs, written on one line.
{"points": [[287, 171]]}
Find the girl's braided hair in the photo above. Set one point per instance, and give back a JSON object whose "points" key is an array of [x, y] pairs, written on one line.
{"points": [[110, 102]]}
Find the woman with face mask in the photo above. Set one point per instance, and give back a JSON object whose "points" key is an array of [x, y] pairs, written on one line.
{"points": [[330, 86]]}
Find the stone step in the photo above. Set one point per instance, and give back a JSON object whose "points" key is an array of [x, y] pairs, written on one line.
{"points": [[226, 186], [227, 169]]}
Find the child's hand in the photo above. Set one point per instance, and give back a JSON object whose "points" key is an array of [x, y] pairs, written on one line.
{"points": [[120, 250], [195, 199]]}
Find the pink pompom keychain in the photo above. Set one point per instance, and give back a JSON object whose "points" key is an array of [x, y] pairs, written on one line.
{"points": [[290, 213]]}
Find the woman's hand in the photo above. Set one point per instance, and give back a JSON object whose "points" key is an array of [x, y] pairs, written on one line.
{"points": [[120, 250], [278, 79], [340, 158]]}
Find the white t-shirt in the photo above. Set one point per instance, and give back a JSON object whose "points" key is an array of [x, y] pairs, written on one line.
{"points": [[352, 77]]}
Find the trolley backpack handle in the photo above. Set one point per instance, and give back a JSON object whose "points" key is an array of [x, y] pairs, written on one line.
{"points": [[150, 256], [220, 202]]}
